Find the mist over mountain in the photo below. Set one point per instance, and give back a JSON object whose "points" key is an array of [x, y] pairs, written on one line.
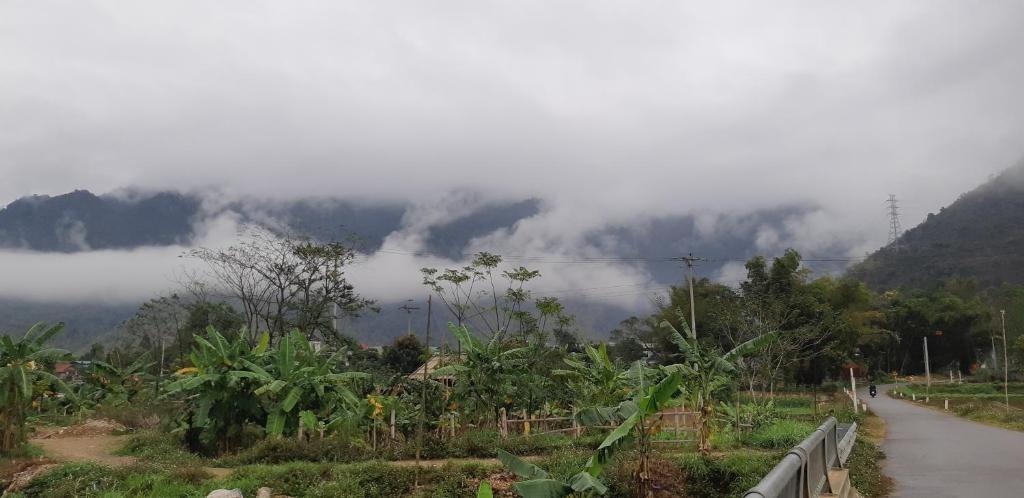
{"points": [[979, 236], [129, 229]]}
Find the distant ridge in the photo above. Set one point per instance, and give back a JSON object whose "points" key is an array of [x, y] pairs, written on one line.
{"points": [[979, 236]]}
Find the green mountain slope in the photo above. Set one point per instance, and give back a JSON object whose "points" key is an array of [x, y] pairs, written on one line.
{"points": [[980, 236]]}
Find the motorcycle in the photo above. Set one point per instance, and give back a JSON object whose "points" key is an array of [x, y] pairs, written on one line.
{"points": [[872, 391]]}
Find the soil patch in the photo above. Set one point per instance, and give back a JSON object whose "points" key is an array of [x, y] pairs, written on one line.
{"points": [[99, 449]]}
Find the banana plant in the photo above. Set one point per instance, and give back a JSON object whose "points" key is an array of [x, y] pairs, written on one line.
{"points": [[485, 374], [302, 388], [117, 385], [707, 372], [635, 428], [217, 390], [596, 380], [21, 365], [536, 483]]}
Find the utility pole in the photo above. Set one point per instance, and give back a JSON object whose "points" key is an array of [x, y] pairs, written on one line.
{"points": [[690, 259], [1006, 370], [423, 395], [927, 372], [408, 308], [895, 230]]}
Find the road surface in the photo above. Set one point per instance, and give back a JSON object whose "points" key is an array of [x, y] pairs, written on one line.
{"points": [[932, 454]]}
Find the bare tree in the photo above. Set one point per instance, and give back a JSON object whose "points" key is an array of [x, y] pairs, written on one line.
{"points": [[284, 281]]}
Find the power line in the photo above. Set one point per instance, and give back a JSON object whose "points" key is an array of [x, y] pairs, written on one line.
{"points": [[624, 259]]}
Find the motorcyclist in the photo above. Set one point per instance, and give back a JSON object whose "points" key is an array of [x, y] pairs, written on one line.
{"points": [[872, 390]]}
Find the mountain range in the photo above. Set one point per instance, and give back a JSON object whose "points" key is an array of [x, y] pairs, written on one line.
{"points": [[978, 236]]}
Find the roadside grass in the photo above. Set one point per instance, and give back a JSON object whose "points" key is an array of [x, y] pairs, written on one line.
{"points": [[782, 434], [728, 475], [979, 402], [866, 474], [367, 479]]}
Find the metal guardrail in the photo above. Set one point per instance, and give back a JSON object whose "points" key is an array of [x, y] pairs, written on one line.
{"points": [[803, 472]]}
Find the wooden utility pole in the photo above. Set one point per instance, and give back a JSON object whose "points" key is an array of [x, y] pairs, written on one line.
{"points": [[927, 372], [1006, 370], [423, 391], [690, 259], [408, 308]]}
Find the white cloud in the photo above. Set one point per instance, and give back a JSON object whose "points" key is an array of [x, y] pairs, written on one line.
{"points": [[609, 112]]}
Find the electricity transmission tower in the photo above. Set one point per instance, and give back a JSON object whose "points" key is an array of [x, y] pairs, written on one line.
{"points": [[895, 230]]}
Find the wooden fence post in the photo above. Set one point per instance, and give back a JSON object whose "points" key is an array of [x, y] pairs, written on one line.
{"points": [[675, 419], [575, 425], [526, 423], [504, 422], [392, 424]]}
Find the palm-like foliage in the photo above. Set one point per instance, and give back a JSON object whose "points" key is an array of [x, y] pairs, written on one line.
{"points": [[633, 429], [302, 389], [20, 366], [116, 385], [218, 389], [707, 373], [485, 375], [596, 380]]}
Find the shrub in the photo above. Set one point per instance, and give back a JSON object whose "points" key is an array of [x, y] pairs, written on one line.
{"points": [[281, 450], [76, 480], [731, 475], [780, 435], [159, 447], [293, 479]]}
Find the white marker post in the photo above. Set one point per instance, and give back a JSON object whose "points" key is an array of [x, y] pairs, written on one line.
{"points": [[853, 390]]}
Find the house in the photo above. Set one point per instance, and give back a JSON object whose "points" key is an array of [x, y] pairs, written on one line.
{"points": [[66, 371], [434, 363]]}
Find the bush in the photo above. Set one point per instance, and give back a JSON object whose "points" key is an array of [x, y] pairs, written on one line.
{"points": [[729, 475], [281, 450], [84, 480], [293, 479], [782, 434], [159, 447]]}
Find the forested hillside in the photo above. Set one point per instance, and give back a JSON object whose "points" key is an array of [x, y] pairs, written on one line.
{"points": [[980, 236]]}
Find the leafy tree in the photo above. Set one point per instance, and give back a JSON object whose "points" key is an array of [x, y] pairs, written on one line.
{"points": [[493, 300], [405, 354], [21, 364]]}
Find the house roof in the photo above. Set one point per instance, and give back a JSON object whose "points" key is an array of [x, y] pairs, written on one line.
{"points": [[433, 364]]}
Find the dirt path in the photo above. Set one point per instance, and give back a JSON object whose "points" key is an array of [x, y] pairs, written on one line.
{"points": [[98, 449]]}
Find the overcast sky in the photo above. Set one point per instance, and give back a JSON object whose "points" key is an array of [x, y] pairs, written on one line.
{"points": [[607, 111]]}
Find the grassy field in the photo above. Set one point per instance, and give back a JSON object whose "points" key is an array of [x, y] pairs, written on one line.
{"points": [[980, 402], [336, 467]]}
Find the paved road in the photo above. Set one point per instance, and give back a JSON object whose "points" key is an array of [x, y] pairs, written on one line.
{"points": [[932, 454]]}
